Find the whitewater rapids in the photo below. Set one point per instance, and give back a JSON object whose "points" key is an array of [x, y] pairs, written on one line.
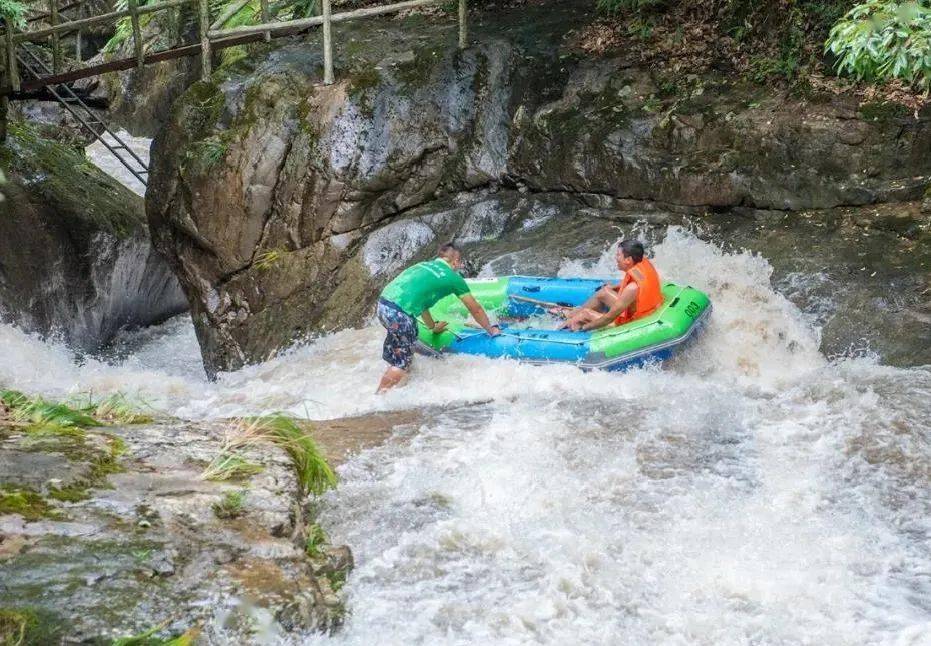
{"points": [[750, 492]]}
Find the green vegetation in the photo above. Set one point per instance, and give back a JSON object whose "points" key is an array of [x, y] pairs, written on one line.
{"points": [[248, 14], [873, 41], [230, 466], [41, 165], [72, 493], [882, 111], [231, 505], [315, 542], [885, 39], [13, 12], [13, 626], [25, 502], [621, 6], [148, 638], [211, 150], [314, 476], [40, 416], [337, 579], [28, 627], [64, 428], [118, 409], [267, 260], [124, 27]]}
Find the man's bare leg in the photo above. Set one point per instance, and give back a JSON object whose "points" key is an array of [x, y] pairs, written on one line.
{"points": [[580, 318], [601, 301], [393, 376]]}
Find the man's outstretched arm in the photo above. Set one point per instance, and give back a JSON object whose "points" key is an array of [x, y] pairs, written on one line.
{"points": [[478, 313]]}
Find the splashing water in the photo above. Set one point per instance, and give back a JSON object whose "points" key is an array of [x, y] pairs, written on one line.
{"points": [[750, 492]]}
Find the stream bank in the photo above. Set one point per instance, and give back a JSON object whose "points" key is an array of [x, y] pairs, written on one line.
{"points": [[124, 515]]}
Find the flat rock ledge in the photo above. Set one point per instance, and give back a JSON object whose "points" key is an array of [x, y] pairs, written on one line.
{"points": [[113, 532]]}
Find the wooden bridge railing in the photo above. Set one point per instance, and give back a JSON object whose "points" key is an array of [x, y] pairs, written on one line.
{"points": [[211, 36]]}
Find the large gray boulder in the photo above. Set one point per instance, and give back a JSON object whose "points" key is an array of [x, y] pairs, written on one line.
{"points": [[75, 256], [284, 205]]}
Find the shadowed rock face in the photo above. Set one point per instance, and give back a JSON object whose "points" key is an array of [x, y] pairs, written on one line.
{"points": [[75, 255], [284, 205]]}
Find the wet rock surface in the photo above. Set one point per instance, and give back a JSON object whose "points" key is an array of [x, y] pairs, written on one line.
{"points": [[284, 205], [123, 515], [75, 256]]}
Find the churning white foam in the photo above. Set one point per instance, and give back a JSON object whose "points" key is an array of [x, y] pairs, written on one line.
{"points": [[749, 493]]}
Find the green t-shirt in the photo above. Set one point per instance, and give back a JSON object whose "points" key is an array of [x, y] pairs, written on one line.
{"points": [[420, 286]]}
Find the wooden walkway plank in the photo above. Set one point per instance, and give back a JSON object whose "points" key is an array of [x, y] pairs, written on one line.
{"points": [[128, 63], [303, 23], [80, 23]]}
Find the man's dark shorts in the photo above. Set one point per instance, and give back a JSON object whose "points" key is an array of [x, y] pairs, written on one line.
{"points": [[402, 334]]}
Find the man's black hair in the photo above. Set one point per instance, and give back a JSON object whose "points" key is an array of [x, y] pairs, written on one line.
{"points": [[632, 249], [446, 247]]}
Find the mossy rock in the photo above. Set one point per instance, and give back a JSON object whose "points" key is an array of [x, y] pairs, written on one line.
{"points": [[883, 111], [65, 179], [27, 627], [27, 503]]}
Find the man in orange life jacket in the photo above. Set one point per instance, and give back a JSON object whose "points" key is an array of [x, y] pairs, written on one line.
{"points": [[637, 295]]}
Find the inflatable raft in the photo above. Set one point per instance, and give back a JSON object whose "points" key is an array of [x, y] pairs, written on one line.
{"points": [[652, 338]]}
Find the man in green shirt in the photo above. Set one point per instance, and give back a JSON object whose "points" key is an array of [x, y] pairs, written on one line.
{"points": [[412, 294]]}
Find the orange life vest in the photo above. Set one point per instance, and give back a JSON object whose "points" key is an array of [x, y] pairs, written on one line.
{"points": [[649, 292]]}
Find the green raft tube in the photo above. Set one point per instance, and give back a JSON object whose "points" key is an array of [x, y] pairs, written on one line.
{"points": [[652, 338]]}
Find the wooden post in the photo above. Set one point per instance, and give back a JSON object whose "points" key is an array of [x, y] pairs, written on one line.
{"points": [[205, 64], [265, 19], [12, 72], [133, 6], [463, 26], [4, 108], [174, 26], [77, 46], [4, 100], [327, 45], [56, 39]]}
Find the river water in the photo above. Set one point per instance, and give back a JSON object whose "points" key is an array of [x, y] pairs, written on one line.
{"points": [[749, 492]]}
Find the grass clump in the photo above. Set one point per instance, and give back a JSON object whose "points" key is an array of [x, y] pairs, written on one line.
{"points": [[314, 476], [16, 625], [315, 542], [230, 466], [39, 415], [118, 409], [231, 505], [268, 259]]}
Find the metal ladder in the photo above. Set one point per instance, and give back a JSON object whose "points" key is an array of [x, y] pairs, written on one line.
{"points": [[90, 120]]}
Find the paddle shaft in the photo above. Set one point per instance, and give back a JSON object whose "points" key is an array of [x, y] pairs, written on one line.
{"points": [[535, 301]]}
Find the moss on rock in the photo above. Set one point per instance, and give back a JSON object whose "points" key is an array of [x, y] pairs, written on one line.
{"points": [[27, 503], [69, 182], [27, 627]]}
